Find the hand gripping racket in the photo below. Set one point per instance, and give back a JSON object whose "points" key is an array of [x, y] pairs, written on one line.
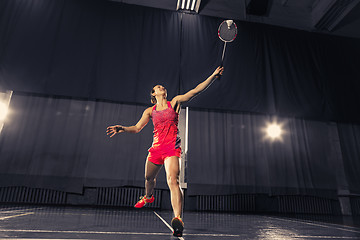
{"points": [[227, 32]]}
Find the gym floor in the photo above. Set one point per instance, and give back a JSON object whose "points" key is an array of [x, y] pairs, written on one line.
{"points": [[53, 222]]}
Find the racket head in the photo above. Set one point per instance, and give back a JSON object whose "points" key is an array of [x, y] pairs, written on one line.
{"points": [[227, 31]]}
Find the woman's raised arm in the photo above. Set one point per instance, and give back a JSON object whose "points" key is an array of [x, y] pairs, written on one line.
{"points": [[198, 89]]}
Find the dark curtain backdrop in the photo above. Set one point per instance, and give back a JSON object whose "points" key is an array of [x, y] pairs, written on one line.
{"points": [[60, 143], [109, 50], [229, 153], [98, 55], [350, 149], [57, 143], [89, 49]]}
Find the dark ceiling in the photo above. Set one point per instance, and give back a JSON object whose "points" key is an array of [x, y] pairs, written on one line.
{"points": [[336, 17]]}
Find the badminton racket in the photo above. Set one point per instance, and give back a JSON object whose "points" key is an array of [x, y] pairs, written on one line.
{"points": [[227, 32]]}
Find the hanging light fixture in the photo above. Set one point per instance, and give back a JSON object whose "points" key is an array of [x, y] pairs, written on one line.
{"points": [[188, 5]]}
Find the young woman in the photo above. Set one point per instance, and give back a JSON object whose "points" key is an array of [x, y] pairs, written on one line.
{"points": [[165, 149]]}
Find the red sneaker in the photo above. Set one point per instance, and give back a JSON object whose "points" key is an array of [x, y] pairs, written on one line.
{"points": [[178, 226], [143, 201]]}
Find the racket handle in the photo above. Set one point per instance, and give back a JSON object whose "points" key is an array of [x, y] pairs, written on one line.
{"points": [[222, 60], [221, 65], [218, 76]]}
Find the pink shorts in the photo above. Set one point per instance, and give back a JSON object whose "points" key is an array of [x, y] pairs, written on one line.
{"points": [[158, 157]]}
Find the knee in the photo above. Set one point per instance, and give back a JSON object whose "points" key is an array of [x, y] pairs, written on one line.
{"points": [[173, 181], [149, 179]]}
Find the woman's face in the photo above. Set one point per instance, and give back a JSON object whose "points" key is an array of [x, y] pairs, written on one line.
{"points": [[159, 91]]}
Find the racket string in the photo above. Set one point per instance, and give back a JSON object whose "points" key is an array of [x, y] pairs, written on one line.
{"points": [[227, 33]]}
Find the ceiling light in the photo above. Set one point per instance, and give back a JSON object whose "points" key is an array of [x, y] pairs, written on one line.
{"points": [[188, 5]]}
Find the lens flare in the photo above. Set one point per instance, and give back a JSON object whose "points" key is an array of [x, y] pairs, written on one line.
{"points": [[3, 111]]}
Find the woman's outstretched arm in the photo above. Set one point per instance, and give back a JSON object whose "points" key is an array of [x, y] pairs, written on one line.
{"points": [[198, 89], [112, 130]]}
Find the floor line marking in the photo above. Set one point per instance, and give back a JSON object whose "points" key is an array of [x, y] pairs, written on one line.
{"points": [[327, 223], [79, 232], [46, 239], [19, 215], [20, 210], [315, 224], [161, 234], [309, 221], [120, 233], [327, 237], [171, 229]]}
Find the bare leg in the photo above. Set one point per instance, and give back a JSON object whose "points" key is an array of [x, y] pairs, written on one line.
{"points": [[151, 172], [172, 168]]}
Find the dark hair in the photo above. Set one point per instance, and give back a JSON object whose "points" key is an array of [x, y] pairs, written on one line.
{"points": [[153, 99]]}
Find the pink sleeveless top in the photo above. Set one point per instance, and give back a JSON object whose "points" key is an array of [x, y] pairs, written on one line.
{"points": [[166, 133]]}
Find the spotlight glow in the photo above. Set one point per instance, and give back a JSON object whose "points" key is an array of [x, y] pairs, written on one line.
{"points": [[273, 131], [3, 111]]}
